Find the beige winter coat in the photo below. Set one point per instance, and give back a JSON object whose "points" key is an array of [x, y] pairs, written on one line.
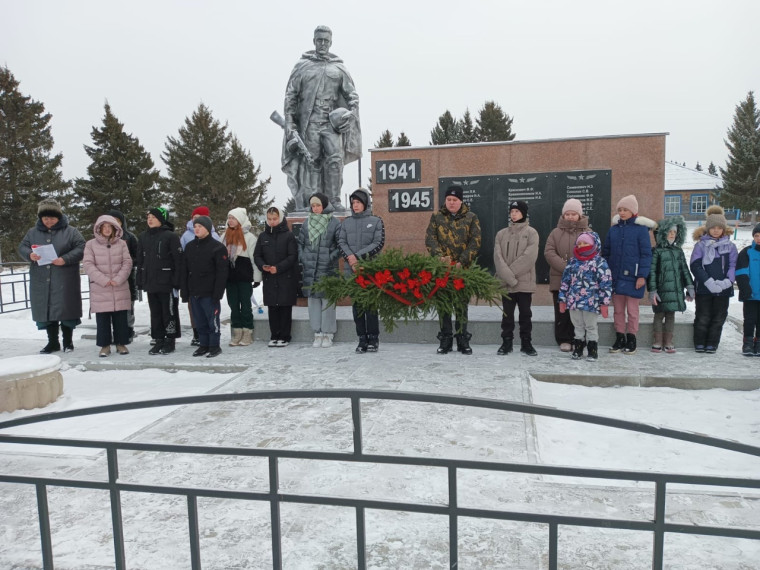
{"points": [[106, 261], [515, 253], [559, 247]]}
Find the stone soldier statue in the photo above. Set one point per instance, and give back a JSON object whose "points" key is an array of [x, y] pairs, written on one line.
{"points": [[322, 131]]}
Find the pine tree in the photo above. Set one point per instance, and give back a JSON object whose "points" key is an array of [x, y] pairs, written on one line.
{"points": [[403, 140], [122, 175], [698, 167], [446, 131], [493, 124], [290, 205], [741, 176], [712, 170], [385, 140], [206, 165], [467, 128], [28, 169]]}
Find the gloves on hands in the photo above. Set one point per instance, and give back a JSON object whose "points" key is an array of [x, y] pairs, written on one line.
{"points": [[690, 293], [725, 284], [712, 286], [655, 297]]}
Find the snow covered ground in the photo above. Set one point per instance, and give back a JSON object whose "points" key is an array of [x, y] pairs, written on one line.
{"points": [[235, 534]]}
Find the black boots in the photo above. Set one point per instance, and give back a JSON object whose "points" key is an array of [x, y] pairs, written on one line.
{"points": [[373, 343], [463, 343], [506, 347], [200, 351], [168, 346], [156, 348], [748, 346], [757, 346], [593, 350], [361, 348], [578, 346], [447, 342], [619, 343], [213, 351], [527, 348], [630, 344], [67, 334], [53, 345]]}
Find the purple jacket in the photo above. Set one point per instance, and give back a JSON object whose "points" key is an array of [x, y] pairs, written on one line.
{"points": [[714, 259]]}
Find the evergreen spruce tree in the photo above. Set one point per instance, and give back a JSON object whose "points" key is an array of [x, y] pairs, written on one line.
{"points": [[712, 170], [403, 140], [467, 128], [385, 140], [122, 175], [698, 167], [446, 131], [493, 124], [290, 205], [741, 176], [28, 169], [206, 165]]}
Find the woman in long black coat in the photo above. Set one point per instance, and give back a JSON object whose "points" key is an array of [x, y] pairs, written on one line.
{"points": [[56, 293], [276, 255]]}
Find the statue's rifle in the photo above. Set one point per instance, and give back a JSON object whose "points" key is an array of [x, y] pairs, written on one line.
{"points": [[277, 118]]}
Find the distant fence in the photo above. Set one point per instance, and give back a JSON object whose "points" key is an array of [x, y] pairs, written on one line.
{"points": [[275, 496], [14, 287]]}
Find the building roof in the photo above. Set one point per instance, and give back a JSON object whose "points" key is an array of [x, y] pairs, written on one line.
{"points": [[679, 178]]}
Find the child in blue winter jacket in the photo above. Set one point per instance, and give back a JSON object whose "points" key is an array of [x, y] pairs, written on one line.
{"points": [[748, 280], [713, 263], [628, 251], [585, 291]]}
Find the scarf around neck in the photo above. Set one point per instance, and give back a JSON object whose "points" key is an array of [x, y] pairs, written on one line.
{"points": [[318, 226]]}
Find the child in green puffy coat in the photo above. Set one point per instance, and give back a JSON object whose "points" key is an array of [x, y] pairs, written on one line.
{"points": [[668, 277]]}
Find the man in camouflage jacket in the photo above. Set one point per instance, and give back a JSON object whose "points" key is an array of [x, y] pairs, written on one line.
{"points": [[453, 235]]}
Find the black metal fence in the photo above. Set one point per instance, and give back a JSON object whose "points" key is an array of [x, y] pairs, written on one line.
{"points": [[658, 525], [14, 287]]}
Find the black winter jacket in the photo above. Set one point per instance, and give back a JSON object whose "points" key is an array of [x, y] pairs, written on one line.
{"points": [[159, 260], [205, 269], [277, 246]]}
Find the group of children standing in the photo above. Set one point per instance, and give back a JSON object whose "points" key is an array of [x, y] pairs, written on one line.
{"points": [[619, 273]]}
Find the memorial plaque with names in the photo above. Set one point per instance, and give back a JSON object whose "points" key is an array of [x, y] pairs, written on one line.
{"points": [[545, 192]]}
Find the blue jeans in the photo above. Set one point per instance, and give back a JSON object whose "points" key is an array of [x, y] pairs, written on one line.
{"points": [[206, 316]]}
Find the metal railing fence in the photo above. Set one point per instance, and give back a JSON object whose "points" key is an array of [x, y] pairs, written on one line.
{"points": [[658, 525]]}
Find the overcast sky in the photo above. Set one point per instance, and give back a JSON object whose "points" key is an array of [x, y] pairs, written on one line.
{"points": [[559, 68]]}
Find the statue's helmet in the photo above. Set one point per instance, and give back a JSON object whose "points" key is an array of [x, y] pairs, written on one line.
{"points": [[338, 117]]}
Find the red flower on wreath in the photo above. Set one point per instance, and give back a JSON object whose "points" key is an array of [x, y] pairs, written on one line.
{"points": [[458, 284], [404, 274], [441, 282], [425, 277], [362, 282], [400, 287], [383, 277]]}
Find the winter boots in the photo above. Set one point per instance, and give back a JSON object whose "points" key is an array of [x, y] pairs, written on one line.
{"points": [[53, 345], [447, 343], [373, 343], [104, 352], [578, 346], [748, 346], [67, 333], [593, 350], [327, 340], [527, 348], [246, 339], [235, 336], [168, 346], [506, 347], [463, 342], [361, 348], [619, 343], [630, 344], [214, 351], [156, 348], [200, 351], [317, 340]]}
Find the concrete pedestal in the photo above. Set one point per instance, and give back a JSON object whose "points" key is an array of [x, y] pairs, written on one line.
{"points": [[29, 382]]}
